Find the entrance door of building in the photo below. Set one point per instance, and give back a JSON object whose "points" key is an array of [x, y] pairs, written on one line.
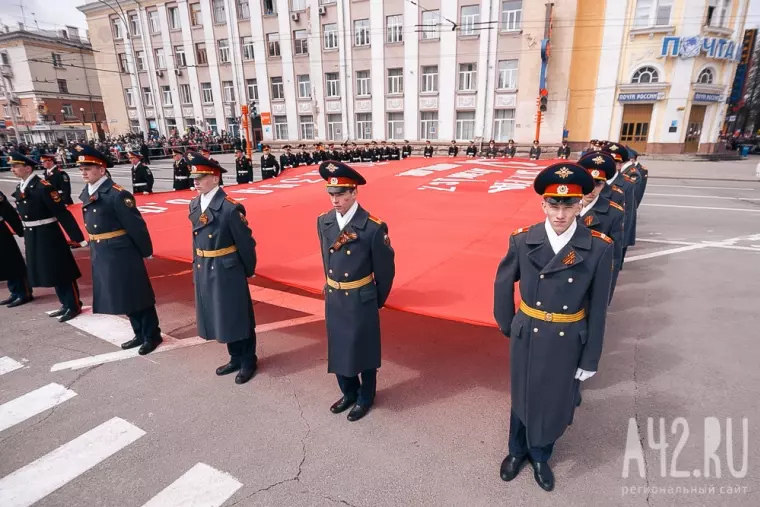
{"points": [[635, 129], [694, 129]]}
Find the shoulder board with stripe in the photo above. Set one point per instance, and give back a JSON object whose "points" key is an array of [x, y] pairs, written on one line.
{"points": [[618, 189], [601, 236], [118, 188], [230, 199], [45, 182], [520, 231], [628, 178], [323, 214], [376, 220], [616, 205]]}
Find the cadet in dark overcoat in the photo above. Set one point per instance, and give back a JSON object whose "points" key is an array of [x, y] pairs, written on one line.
{"points": [[535, 151], [406, 150], [224, 257], [453, 149], [142, 177], [627, 185], [599, 213], [182, 179], [368, 155], [12, 265], [57, 177], [355, 153], [637, 173], [564, 150], [427, 152], [49, 260], [243, 167], [269, 166], [359, 266], [472, 150], [394, 153], [119, 241], [564, 269], [511, 150], [304, 158], [287, 159]]}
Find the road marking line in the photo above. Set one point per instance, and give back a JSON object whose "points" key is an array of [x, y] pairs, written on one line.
{"points": [[201, 486], [701, 207], [751, 248], [288, 300], [728, 243], [707, 197], [43, 476], [31, 404], [110, 328], [660, 253], [8, 365], [743, 189]]}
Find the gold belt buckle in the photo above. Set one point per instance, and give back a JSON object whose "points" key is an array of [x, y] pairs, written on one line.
{"points": [[549, 317], [199, 252]]}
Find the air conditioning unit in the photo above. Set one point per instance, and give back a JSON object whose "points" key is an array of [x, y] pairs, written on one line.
{"points": [[322, 10], [178, 72], [160, 73], [295, 16]]}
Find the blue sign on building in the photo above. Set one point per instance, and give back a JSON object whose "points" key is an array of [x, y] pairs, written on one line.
{"points": [[707, 97], [639, 97], [691, 47]]}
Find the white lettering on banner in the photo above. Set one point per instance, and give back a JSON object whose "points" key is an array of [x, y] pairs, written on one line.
{"points": [[278, 185], [521, 180], [151, 207], [451, 181], [503, 164], [304, 180], [427, 171], [252, 191], [179, 201]]}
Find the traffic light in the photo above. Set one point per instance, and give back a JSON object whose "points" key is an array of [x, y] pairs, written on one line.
{"points": [[543, 100]]}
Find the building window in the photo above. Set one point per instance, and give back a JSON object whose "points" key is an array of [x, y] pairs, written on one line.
{"points": [[57, 62], [468, 76], [429, 125], [160, 58], [252, 88], [211, 123], [195, 14], [652, 13], [364, 126], [224, 50], [718, 13], [334, 127], [171, 124], [246, 44], [362, 83], [116, 28], [431, 22], [332, 82], [511, 15], [706, 76], [270, 7], [304, 86], [243, 9], [298, 5], [645, 75], [166, 95], [330, 36], [207, 95], [129, 96], [153, 23], [201, 56], [228, 91], [184, 94], [173, 15], [307, 126], [395, 81], [278, 90], [63, 87], [281, 127], [68, 110], [220, 14], [395, 125], [273, 44], [429, 79], [361, 32], [465, 125], [123, 66], [179, 56], [507, 74], [134, 25], [141, 61], [147, 96], [394, 26], [301, 42], [503, 125], [470, 20]]}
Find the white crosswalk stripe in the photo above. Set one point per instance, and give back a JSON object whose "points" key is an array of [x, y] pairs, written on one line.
{"points": [[38, 479], [201, 486], [8, 365], [33, 403]]}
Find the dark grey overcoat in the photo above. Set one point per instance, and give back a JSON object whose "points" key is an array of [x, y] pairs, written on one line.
{"points": [[544, 355], [607, 217], [12, 263]]}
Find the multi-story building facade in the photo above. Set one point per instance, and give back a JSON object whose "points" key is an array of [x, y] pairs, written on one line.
{"points": [[49, 86], [651, 73], [332, 69]]}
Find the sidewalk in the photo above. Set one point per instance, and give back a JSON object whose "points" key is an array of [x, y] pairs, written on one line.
{"points": [[738, 170]]}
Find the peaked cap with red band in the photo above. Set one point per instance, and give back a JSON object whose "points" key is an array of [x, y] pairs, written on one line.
{"points": [[616, 151], [563, 180], [599, 165], [87, 155], [338, 174], [201, 166]]}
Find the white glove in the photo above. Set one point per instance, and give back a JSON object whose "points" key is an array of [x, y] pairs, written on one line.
{"points": [[83, 244], [583, 374]]}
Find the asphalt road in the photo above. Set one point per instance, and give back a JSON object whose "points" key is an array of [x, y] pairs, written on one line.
{"points": [[681, 348]]}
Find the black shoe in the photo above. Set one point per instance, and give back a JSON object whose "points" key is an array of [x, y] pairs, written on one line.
{"points": [[58, 312], [227, 369], [543, 474], [9, 299], [244, 375], [134, 342], [357, 412], [68, 315], [148, 347], [342, 405], [19, 301], [511, 466]]}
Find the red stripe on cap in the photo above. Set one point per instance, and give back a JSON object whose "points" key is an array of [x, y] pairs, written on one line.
{"points": [[86, 159], [204, 169], [563, 190], [340, 181]]}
